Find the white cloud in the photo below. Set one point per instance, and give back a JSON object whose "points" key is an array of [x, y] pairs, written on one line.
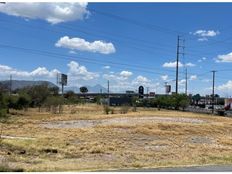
{"points": [[190, 64], [38, 72], [51, 12], [182, 82], [111, 76], [106, 67], [72, 52], [193, 77], [118, 77], [224, 58], [226, 86], [202, 39], [126, 74], [42, 71], [83, 45], [164, 77], [202, 59], [80, 72], [173, 64], [141, 80], [203, 35]]}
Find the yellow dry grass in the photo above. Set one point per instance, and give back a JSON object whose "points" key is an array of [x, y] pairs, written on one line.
{"points": [[114, 146]]}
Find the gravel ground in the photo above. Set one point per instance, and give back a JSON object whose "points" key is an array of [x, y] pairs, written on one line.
{"points": [[119, 121]]}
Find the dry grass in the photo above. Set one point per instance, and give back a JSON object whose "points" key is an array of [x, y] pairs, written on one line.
{"points": [[114, 146]]}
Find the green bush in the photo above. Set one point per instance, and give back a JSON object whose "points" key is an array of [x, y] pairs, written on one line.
{"points": [[3, 106], [54, 104]]}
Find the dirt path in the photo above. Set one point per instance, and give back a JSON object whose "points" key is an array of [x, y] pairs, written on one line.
{"points": [[121, 121], [216, 168]]}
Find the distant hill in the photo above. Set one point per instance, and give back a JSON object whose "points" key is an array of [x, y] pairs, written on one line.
{"points": [[91, 89], [97, 88], [19, 84]]}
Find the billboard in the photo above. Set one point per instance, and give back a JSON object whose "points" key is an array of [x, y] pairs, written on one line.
{"points": [[167, 89], [62, 79]]}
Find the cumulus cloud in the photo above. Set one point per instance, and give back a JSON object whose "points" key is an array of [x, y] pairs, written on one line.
{"points": [[51, 12], [141, 80], [38, 72], [42, 71], [224, 58], [80, 72], [182, 82], [190, 64], [173, 64], [164, 77], [126, 74], [83, 45], [118, 77], [226, 86], [203, 35]]}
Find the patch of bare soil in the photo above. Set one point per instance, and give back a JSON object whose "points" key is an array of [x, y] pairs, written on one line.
{"points": [[119, 121]]}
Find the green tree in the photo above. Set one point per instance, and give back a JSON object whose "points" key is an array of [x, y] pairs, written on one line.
{"points": [[180, 101], [196, 98], [3, 106], [83, 89], [23, 102], [54, 104], [71, 97]]}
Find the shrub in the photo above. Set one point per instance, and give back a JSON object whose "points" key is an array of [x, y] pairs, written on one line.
{"points": [[54, 104], [106, 109], [112, 111], [124, 109]]}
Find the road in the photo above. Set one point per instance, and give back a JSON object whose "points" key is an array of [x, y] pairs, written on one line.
{"points": [[223, 168]]}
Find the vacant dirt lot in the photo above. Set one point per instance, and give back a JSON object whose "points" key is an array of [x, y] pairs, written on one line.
{"points": [[85, 139]]}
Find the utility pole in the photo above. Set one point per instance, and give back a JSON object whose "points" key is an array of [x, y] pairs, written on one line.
{"points": [[108, 87], [147, 91], [186, 81], [177, 63], [213, 91], [177, 59]]}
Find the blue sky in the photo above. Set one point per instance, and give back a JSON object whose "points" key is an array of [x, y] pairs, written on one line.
{"points": [[130, 44]]}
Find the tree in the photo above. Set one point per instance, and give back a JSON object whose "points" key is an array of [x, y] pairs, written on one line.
{"points": [[3, 106], [3, 111], [196, 98], [23, 102], [38, 94], [54, 104], [83, 89], [180, 101], [184, 101]]}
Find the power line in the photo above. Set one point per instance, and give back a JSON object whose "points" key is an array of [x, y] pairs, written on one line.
{"points": [[138, 23], [84, 59], [110, 37]]}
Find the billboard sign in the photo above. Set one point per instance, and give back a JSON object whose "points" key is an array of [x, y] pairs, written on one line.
{"points": [[62, 79]]}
